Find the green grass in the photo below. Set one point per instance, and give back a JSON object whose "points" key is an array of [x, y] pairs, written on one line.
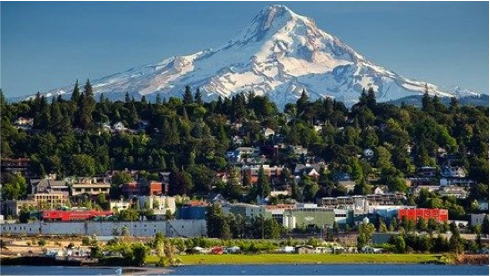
{"points": [[301, 259]]}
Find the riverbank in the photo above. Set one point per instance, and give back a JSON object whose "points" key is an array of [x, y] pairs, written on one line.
{"points": [[309, 259]]}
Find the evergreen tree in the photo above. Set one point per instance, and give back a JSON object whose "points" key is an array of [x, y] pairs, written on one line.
{"points": [[427, 104], [302, 102], [3, 101], [454, 105], [295, 192], [263, 185], [56, 118], [421, 224], [198, 97], [75, 96], [187, 97], [87, 89], [371, 99]]}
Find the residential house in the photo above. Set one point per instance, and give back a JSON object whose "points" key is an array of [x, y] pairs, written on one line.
{"points": [[106, 127], [237, 141], [16, 165], [268, 132], [245, 154], [349, 185], [119, 126], [318, 128], [431, 188], [131, 189], [273, 173], [449, 171], [21, 121], [24, 123], [427, 171], [89, 185], [216, 198], [49, 185], [386, 198], [149, 188], [379, 190], [368, 153], [299, 150], [456, 191]]}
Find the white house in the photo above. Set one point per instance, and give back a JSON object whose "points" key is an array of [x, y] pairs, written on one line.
{"points": [[119, 126], [268, 132]]}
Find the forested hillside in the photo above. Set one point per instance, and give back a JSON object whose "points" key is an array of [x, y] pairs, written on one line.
{"points": [[190, 137]]}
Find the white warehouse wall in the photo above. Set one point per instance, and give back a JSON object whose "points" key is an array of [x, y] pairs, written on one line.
{"points": [[171, 228]]}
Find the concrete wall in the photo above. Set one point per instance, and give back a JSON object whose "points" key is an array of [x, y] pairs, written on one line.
{"points": [[171, 228]]}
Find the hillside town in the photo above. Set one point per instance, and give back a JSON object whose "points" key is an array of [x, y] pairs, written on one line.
{"points": [[238, 169]]}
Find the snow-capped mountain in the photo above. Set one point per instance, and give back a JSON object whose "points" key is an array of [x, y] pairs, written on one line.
{"points": [[279, 54]]}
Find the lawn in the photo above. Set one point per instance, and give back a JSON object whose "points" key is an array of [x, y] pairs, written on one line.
{"points": [[304, 258]]}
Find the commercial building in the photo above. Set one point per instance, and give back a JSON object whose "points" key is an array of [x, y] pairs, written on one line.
{"points": [[416, 213], [247, 211], [308, 218]]}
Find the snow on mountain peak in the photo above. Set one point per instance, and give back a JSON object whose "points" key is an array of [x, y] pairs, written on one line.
{"points": [[279, 54]]}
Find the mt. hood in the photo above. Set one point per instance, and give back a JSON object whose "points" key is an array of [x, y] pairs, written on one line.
{"points": [[279, 55]]}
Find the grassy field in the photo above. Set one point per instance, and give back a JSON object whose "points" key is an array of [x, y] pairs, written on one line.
{"points": [[302, 259]]}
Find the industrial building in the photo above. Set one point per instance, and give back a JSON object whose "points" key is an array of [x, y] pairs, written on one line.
{"points": [[416, 213]]}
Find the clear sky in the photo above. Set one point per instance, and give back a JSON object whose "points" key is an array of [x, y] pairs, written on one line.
{"points": [[45, 45]]}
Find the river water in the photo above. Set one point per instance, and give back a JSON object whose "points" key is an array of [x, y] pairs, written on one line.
{"points": [[302, 269]]}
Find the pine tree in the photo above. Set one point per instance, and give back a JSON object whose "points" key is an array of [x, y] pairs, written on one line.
{"points": [[302, 102], [56, 117], [87, 89], [187, 97], [87, 103], [198, 97], [454, 105], [371, 99], [75, 96], [263, 185], [427, 104], [3, 100], [101, 98]]}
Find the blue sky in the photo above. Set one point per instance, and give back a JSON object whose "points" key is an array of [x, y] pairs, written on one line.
{"points": [[45, 45]]}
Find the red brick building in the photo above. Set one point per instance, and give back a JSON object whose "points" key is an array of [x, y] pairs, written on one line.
{"points": [[416, 213]]}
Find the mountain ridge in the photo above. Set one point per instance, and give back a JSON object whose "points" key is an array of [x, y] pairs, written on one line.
{"points": [[279, 54]]}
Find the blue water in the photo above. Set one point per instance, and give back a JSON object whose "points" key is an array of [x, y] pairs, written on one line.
{"points": [[332, 269], [317, 269]]}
